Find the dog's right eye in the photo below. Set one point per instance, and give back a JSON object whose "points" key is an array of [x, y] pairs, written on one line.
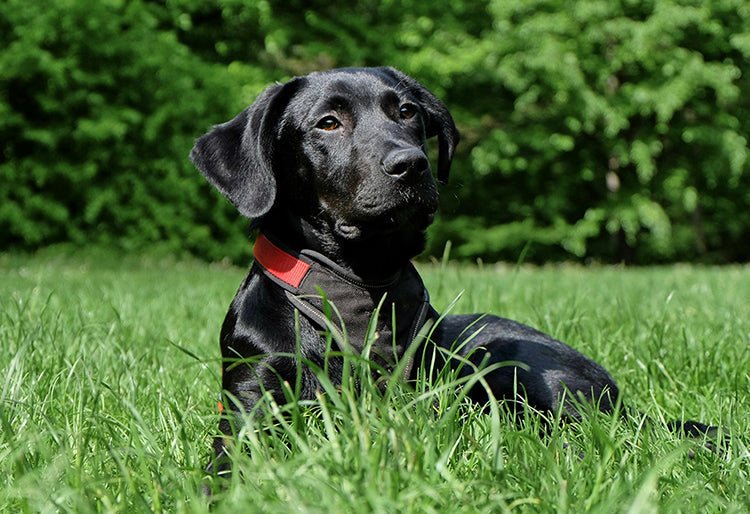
{"points": [[328, 123], [407, 111]]}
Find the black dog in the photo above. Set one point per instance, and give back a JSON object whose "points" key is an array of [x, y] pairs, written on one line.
{"points": [[333, 169]]}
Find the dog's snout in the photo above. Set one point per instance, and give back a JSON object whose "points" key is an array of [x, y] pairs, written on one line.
{"points": [[406, 164]]}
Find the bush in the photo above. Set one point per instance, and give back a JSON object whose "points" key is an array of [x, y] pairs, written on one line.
{"points": [[593, 129], [605, 130], [99, 108]]}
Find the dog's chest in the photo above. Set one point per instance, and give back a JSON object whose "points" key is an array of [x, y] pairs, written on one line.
{"points": [[378, 320]]}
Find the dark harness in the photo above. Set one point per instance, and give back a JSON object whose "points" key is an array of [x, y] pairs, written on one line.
{"points": [[336, 301]]}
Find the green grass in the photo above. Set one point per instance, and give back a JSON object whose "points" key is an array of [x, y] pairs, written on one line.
{"points": [[110, 379]]}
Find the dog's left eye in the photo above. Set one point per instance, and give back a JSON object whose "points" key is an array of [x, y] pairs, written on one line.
{"points": [[407, 111], [328, 123]]}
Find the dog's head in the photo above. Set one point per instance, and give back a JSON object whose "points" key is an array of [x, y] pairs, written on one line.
{"points": [[341, 151]]}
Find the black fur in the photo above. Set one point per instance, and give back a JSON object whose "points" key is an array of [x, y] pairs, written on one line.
{"points": [[336, 162]]}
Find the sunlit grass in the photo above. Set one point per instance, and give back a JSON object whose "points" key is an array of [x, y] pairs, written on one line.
{"points": [[110, 379]]}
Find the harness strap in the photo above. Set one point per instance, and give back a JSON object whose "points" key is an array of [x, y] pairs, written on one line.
{"points": [[343, 304]]}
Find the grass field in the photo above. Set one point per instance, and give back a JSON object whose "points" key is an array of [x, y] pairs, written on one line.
{"points": [[110, 379]]}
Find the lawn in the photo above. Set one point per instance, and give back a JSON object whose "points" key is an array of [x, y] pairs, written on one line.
{"points": [[110, 379]]}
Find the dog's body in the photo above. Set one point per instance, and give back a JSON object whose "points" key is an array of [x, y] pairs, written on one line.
{"points": [[332, 167]]}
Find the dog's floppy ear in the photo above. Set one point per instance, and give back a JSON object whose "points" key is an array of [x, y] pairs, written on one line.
{"points": [[439, 121], [237, 156]]}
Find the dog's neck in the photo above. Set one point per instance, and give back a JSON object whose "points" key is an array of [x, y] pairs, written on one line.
{"points": [[374, 259]]}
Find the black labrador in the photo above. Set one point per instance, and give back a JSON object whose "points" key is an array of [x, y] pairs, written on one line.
{"points": [[332, 168]]}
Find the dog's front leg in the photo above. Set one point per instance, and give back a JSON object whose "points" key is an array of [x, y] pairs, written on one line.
{"points": [[242, 387], [245, 382], [266, 352]]}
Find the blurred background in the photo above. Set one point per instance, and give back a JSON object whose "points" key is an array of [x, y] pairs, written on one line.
{"points": [[593, 130]]}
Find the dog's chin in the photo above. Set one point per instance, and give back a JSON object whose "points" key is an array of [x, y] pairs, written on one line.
{"points": [[389, 225]]}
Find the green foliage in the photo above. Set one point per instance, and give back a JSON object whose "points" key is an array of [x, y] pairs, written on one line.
{"points": [[610, 130], [593, 129], [98, 110]]}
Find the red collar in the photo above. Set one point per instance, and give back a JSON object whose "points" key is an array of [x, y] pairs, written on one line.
{"points": [[284, 266]]}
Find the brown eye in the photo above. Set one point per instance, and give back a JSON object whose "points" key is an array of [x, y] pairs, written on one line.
{"points": [[328, 123], [407, 111]]}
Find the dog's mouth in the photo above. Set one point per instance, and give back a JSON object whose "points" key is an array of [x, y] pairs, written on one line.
{"points": [[385, 212], [400, 220]]}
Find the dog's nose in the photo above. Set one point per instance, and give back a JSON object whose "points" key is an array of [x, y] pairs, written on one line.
{"points": [[407, 164]]}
